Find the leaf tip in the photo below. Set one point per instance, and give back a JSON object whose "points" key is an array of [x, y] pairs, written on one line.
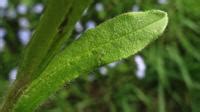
{"points": [[164, 18], [162, 21]]}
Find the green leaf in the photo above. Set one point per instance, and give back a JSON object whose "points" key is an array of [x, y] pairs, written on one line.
{"points": [[195, 102], [57, 22], [72, 17], [113, 40], [175, 56], [43, 36], [184, 41], [161, 99], [75, 13]]}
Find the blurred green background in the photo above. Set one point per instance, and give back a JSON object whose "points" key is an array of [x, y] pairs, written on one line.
{"points": [[164, 77]]}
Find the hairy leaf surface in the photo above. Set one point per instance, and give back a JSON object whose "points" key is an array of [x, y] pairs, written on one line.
{"points": [[113, 40]]}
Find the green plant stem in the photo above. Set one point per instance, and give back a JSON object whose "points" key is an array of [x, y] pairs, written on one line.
{"points": [[37, 49]]}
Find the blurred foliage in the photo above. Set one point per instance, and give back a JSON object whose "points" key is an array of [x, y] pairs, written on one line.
{"points": [[172, 77]]}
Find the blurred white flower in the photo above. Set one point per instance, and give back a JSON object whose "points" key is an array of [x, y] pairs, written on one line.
{"points": [[2, 32], [22, 9], [91, 77], [113, 64], [99, 7], [2, 44], [24, 36], [2, 13], [13, 75], [2, 41], [103, 70], [23, 22], [78, 27], [38, 8], [141, 67], [135, 8], [162, 1], [11, 14], [3, 4], [78, 36], [85, 11], [90, 24]]}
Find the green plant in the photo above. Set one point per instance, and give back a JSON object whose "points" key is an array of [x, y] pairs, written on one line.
{"points": [[46, 66]]}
